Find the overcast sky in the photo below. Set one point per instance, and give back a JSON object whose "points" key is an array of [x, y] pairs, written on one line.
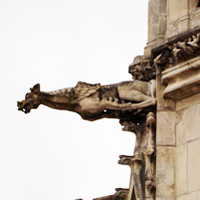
{"points": [[50, 154]]}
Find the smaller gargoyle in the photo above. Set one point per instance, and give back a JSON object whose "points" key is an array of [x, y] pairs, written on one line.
{"points": [[121, 194], [140, 69]]}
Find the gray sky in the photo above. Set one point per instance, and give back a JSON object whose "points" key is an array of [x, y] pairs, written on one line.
{"points": [[50, 154]]}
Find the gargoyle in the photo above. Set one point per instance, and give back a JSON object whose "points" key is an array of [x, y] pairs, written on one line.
{"points": [[93, 101]]}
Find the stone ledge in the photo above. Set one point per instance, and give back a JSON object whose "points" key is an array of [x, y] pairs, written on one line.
{"points": [[182, 80]]}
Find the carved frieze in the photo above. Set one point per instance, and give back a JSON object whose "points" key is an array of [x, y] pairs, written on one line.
{"points": [[179, 51], [179, 66]]}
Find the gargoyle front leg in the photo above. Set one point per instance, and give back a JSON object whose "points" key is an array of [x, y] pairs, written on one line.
{"points": [[114, 105], [134, 106]]}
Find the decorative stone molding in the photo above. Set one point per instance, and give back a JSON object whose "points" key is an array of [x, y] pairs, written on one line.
{"points": [[179, 66], [182, 80], [149, 156]]}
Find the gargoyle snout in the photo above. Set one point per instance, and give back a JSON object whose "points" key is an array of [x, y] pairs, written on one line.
{"points": [[31, 101], [23, 106]]}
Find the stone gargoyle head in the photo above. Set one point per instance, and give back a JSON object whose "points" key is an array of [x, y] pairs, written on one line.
{"points": [[31, 100]]}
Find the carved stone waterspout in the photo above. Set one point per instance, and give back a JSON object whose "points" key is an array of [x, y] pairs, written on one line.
{"points": [[93, 101]]}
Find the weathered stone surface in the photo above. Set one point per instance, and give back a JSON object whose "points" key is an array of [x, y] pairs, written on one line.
{"points": [[177, 13], [157, 22], [187, 124], [191, 196], [193, 166], [165, 128], [181, 169], [182, 80], [193, 5], [194, 13], [187, 102], [182, 16], [165, 173]]}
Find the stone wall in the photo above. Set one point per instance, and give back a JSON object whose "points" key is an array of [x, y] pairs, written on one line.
{"points": [[182, 16], [178, 130], [178, 98], [188, 148]]}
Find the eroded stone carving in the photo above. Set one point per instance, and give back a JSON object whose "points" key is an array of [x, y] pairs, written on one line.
{"points": [[178, 51], [93, 101], [142, 164], [121, 194], [141, 70]]}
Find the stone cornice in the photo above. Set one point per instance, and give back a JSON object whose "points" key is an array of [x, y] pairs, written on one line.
{"points": [[182, 80]]}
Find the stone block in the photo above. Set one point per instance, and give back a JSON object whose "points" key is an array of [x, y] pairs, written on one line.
{"points": [[181, 169], [187, 102], [187, 124], [193, 166], [165, 128], [191, 196], [194, 18], [165, 173], [177, 8], [183, 25]]}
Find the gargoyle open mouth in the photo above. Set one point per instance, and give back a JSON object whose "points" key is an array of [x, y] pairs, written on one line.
{"points": [[23, 106]]}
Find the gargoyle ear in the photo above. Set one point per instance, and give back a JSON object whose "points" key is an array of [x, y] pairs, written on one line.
{"points": [[36, 88]]}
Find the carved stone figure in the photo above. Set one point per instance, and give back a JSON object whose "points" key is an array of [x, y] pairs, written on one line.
{"points": [[141, 70], [93, 101], [142, 163], [179, 51]]}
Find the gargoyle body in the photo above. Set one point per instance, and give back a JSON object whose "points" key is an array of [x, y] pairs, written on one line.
{"points": [[93, 101]]}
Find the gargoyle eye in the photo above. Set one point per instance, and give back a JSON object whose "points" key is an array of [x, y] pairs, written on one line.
{"points": [[27, 95]]}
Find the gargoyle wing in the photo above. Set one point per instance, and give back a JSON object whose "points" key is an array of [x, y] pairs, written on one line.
{"points": [[83, 89]]}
